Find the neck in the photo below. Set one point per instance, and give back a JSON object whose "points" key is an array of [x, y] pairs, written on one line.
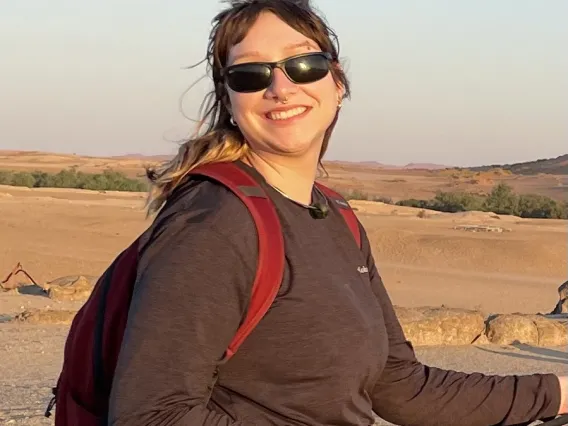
{"points": [[292, 175]]}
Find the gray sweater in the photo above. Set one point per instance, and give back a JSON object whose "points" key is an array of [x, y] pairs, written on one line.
{"points": [[329, 352]]}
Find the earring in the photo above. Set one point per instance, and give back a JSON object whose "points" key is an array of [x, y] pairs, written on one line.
{"points": [[233, 122]]}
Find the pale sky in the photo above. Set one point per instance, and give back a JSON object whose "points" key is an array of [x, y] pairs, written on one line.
{"points": [[443, 81]]}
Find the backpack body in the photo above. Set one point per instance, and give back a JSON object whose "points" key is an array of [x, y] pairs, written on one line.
{"points": [[94, 340]]}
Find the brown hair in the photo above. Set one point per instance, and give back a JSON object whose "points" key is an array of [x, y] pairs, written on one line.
{"points": [[216, 139]]}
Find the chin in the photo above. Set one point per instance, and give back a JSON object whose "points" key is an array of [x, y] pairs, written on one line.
{"points": [[294, 142], [295, 149]]}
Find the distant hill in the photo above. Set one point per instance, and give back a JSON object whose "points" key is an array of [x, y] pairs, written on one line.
{"points": [[424, 166], [409, 166], [553, 166], [143, 157]]}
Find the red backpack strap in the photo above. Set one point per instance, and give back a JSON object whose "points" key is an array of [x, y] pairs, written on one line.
{"points": [[346, 211], [270, 243]]}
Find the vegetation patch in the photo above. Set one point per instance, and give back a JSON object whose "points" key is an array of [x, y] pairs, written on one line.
{"points": [[108, 180], [501, 200]]}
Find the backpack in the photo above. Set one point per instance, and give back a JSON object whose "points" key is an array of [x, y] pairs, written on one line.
{"points": [[95, 336]]}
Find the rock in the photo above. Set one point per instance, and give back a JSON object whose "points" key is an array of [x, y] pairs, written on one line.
{"points": [[535, 330], [71, 288], [46, 316], [431, 326], [551, 332], [509, 328], [563, 291], [481, 228], [562, 305]]}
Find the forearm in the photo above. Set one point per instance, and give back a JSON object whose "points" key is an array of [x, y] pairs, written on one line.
{"points": [[410, 393], [422, 395]]}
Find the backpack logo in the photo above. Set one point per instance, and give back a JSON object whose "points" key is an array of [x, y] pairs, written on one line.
{"points": [[362, 269]]}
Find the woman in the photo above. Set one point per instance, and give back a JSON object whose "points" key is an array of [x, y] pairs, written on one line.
{"points": [[331, 350]]}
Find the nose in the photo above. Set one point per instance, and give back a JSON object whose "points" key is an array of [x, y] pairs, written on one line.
{"points": [[281, 86]]}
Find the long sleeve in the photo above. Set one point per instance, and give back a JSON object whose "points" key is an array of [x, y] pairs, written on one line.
{"points": [[410, 393], [189, 299]]}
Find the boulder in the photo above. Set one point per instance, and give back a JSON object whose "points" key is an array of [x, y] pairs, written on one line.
{"points": [[562, 305], [71, 288], [535, 330], [432, 326]]}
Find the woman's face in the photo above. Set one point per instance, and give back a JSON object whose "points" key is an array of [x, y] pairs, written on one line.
{"points": [[283, 118]]}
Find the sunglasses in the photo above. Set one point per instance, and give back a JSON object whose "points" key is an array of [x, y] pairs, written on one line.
{"points": [[255, 76]]}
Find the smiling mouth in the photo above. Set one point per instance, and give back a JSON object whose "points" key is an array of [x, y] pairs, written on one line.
{"points": [[286, 115]]}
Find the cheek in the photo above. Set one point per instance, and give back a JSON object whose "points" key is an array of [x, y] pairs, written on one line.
{"points": [[243, 104], [325, 91]]}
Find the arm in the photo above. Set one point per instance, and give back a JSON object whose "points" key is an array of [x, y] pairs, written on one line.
{"points": [[190, 297], [410, 393]]}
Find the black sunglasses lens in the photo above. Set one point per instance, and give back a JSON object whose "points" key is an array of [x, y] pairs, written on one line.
{"points": [[255, 77], [307, 69], [249, 77]]}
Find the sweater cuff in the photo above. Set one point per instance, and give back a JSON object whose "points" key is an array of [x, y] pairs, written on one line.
{"points": [[552, 395]]}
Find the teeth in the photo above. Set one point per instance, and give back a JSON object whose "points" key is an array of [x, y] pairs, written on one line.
{"points": [[283, 115]]}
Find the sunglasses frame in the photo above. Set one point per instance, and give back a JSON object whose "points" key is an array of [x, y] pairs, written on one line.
{"points": [[272, 65]]}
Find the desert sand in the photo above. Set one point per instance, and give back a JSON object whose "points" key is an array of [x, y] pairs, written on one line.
{"points": [[425, 260]]}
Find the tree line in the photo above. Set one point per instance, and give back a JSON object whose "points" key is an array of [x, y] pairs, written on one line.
{"points": [[501, 200], [108, 180]]}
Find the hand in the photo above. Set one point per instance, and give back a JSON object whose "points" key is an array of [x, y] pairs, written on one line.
{"points": [[563, 394]]}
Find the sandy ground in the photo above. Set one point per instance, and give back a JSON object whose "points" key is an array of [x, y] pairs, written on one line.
{"points": [[423, 261]]}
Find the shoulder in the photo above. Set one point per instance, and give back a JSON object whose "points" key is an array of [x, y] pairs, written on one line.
{"points": [[206, 199], [341, 207], [202, 210]]}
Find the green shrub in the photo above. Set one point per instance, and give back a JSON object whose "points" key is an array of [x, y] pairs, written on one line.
{"points": [[539, 206], [413, 202], [456, 202], [501, 200], [22, 179], [353, 194], [5, 178], [108, 180], [357, 194]]}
